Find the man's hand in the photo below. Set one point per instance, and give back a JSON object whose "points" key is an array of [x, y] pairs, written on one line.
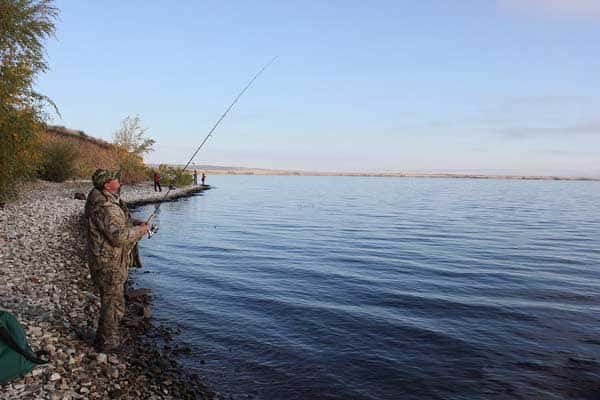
{"points": [[143, 227]]}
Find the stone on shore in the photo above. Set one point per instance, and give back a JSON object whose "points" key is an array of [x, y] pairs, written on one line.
{"points": [[140, 295], [47, 285]]}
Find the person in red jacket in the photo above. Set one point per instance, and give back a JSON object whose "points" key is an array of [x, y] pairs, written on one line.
{"points": [[157, 182]]}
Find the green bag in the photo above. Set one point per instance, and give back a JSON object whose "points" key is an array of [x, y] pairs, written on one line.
{"points": [[16, 357]]}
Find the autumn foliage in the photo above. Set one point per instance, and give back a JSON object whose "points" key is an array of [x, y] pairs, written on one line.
{"points": [[132, 143], [25, 24]]}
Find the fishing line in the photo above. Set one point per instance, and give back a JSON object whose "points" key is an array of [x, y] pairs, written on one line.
{"points": [[154, 227]]}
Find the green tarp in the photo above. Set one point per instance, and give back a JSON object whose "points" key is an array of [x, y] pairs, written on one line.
{"points": [[16, 357]]}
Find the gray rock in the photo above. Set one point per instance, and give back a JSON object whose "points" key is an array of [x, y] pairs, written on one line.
{"points": [[102, 358]]}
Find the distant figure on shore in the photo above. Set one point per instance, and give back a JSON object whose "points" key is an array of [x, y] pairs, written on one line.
{"points": [[156, 180], [195, 177], [203, 178], [112, 236]]}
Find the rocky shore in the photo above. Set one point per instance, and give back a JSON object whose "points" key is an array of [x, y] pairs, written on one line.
{"points": [[46, 284]]}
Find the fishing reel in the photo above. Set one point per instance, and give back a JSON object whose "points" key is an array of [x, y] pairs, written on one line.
{"points": [[152, 231], [154, 227]]}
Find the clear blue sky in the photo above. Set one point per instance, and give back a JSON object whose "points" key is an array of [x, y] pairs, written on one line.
{"points": [[501, 86]]}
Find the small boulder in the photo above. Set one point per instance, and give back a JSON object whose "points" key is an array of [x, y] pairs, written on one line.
{"points": [[140, 295], [102, 358], [79, 196]]}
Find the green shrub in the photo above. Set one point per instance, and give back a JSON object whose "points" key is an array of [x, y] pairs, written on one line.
{"points": [[58, 161], [183, 178], [132, 168], [174, 175], [19, 150]]}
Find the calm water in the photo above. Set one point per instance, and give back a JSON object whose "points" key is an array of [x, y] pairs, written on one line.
{"points": [[384, 288]]}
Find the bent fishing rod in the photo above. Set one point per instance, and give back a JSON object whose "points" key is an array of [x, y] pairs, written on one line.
{"points": [[154, 228]]}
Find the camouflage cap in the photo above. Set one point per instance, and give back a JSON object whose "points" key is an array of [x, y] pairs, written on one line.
{"points": [[101, 176]]}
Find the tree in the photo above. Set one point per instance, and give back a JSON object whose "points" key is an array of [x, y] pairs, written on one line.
{"points": [[24, 25], [130, 136], [132, 146]]}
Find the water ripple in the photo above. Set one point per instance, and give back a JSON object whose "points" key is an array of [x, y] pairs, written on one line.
{"points": [[375, 288]]}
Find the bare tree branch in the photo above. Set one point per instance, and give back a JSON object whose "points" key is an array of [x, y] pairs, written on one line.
{"points": [[130, 136]]}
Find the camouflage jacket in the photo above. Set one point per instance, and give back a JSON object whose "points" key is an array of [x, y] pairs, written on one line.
{"points": [[111, 235]]}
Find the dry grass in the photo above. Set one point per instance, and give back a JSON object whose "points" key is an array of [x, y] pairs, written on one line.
{"points": [[92, 153]]}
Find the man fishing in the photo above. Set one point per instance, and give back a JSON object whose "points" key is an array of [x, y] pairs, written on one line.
{"points": [[112, 235]]}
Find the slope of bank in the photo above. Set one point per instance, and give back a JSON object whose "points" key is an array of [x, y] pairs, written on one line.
{"points": [[91, 152], [46, 284]]}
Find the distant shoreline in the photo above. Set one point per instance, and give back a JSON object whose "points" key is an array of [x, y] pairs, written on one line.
{"points": [[216, 170]]}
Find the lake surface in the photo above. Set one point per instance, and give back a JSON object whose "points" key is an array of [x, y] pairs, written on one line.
{"points": [[383, 288]]}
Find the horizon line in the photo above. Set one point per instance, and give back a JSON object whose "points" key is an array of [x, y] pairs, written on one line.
{"points": [[236, 170]]}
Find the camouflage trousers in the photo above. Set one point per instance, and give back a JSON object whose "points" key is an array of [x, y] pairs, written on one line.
{"points": [[111, 284]]}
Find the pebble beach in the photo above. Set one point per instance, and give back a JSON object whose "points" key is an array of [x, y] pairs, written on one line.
{"points": [[46, 284]]}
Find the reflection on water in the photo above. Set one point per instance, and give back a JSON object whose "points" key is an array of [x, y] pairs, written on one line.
{"points": [[384, 288]]}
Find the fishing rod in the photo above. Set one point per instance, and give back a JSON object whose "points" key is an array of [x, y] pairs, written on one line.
{"points": [[154, 228]]}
